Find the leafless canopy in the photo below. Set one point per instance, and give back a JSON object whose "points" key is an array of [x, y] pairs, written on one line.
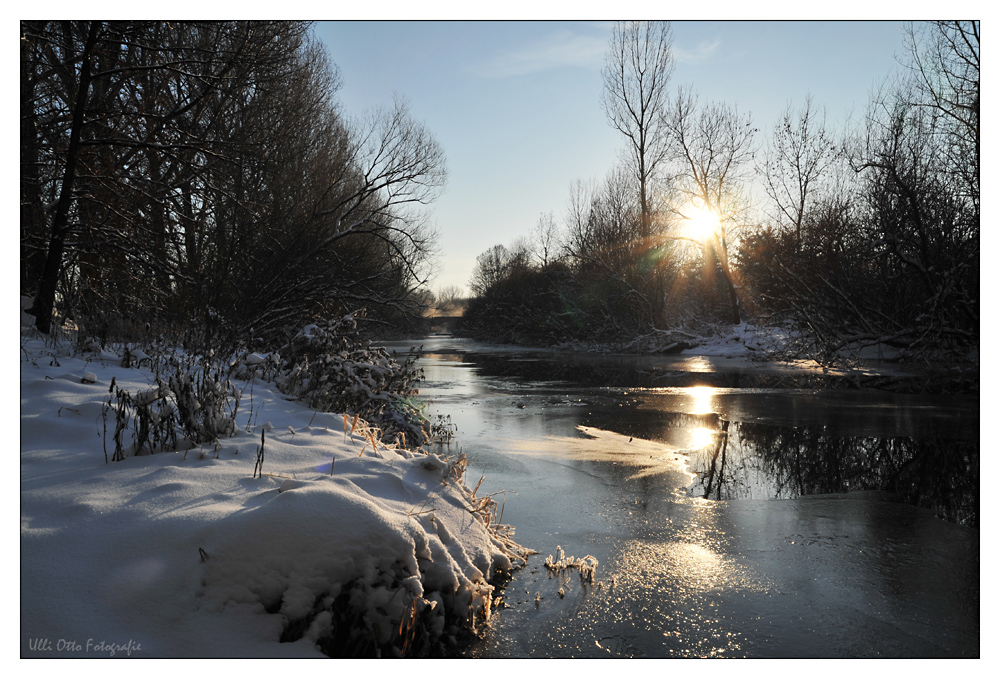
{"points": [[637, 69], [173, 169], [799, 152]]}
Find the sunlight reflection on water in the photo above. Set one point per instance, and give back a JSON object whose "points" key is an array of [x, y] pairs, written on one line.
{"points": [[697, 364], [701, 437], [701, 399], [620, 469], [679, 580]]}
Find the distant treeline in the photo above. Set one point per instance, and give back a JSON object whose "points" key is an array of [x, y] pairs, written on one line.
{"points": [[202, 174], [867, 237]]}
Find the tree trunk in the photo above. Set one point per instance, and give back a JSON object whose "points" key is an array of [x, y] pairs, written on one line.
{"points": [[192, 247], [45, 298], [723, 256], [31, 204]]}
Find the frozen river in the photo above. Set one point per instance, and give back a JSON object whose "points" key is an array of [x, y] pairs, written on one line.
{"points": [[734, 511]]}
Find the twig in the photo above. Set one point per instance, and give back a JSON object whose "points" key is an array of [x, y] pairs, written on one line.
{"points": [[421, 505], [480, 482], [260, 457]]}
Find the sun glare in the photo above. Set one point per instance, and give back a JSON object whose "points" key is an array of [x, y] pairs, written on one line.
{"points": [[701, 437], [701, 399], [701, 222]]}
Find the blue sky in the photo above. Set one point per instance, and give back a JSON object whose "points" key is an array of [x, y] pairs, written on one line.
{"points": [[516, 105]]}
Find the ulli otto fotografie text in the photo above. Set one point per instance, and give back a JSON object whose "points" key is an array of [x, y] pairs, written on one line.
{"points": [[44, 645]]}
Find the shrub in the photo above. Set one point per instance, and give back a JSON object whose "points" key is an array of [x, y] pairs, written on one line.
{"points": [[332, 368], [195, 403]]}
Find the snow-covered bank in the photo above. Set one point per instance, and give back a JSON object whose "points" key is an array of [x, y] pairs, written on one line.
{"points": [[859, 364], [745, 340], [339, 547]]}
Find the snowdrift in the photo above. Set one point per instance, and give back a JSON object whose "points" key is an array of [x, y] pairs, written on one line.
{"points": [[344, 545]]}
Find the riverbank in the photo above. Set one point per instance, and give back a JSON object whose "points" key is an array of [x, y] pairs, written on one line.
{"points": [[756, 351], [301, 534]]}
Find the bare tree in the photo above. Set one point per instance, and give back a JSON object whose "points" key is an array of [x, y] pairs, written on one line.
{"points": [[604, 243], [144, 101], [207, 166], [365, 213], [545, 239], [921, 227], [887, 249], [449, 299], [637, 68], [711, 147], [603, 224], [45, 298], [491, 267], [944, 64], [799, 152]]}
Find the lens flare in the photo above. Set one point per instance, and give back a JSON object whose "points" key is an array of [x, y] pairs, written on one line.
{"points": [[701, 222]]}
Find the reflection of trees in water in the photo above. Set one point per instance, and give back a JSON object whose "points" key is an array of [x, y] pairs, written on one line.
{"points": [[752, 460]]}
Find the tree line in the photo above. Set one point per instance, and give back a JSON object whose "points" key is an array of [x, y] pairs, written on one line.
{"points": [[865, 237], [204, 175]]}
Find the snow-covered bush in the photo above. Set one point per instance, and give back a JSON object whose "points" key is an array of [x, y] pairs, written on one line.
{"points": [[206, 404], [257, 365], [332, 368], [147, 414], [195, 403]]}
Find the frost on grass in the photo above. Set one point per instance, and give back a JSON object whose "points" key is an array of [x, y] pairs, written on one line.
{"points": [[346, 544], [586, 566]]}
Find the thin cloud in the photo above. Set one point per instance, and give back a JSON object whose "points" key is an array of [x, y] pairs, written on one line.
{"points": [[702, 52], [556, 51]]}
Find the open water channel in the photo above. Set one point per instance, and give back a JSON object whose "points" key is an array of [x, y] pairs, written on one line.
{"points": [[734, 510]]}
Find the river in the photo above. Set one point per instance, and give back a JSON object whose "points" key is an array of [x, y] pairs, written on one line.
{"points": [[733, 510]]}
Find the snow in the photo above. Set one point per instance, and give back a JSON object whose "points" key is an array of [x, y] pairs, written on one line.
{"points": [[185, 553], [741, 341], [749, 345]]}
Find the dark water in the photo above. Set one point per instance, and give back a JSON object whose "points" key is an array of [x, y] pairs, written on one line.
{"points": [[735, 511]]}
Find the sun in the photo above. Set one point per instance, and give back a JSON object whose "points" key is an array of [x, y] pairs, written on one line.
{"points": [[700, 222]]}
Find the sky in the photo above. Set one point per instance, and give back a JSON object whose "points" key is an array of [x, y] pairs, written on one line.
{"points": [[516, 104]]}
